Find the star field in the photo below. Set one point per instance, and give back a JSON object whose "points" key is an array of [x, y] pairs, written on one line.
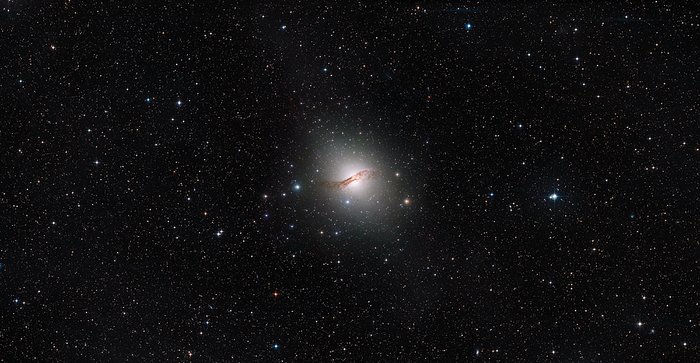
{"points": [[526, 182]]}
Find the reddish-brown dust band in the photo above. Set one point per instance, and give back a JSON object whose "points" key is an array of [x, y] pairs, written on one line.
{"points": [[360, 175]]}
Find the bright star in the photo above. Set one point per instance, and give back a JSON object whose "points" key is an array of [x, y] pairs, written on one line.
{"points": [[554, 196]]}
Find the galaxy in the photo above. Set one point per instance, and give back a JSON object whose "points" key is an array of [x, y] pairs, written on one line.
{"points": [[355, 181]]}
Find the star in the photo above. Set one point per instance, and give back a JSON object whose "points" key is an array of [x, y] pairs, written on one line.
{"points": [[553, 196]]}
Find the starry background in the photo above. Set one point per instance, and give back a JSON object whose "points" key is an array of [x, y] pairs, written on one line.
{"points": [[159, 201]]}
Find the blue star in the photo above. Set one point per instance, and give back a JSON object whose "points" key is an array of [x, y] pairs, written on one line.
{"points": [[553, 196], [275, 346], [468, 26]]}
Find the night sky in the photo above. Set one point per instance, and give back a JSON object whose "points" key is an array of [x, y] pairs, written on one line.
{"points": [[177, 181]]}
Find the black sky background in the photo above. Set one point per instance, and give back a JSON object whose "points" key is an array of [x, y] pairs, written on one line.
{"points": [[135, 229]]}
